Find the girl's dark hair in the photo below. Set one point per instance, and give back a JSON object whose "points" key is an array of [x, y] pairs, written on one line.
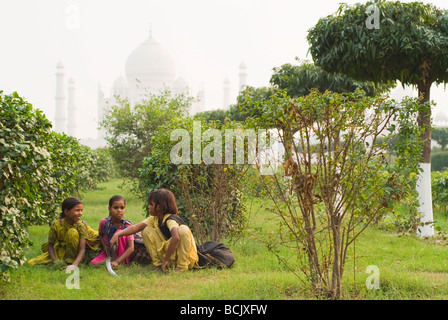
{"points": [[68, 204], [116, 198], [165, 199]]}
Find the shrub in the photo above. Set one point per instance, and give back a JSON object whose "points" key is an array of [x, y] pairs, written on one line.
{"points": [[38, 169], [439, 188], [439, 161], [208, 195], [24, 178], [336, 181]]}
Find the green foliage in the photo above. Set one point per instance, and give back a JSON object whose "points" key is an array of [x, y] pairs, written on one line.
{"points": [[208, 195], [158, 171], [243, 111], [105, 167], [212, 115], [129, 129], [439, 161], [439, 188], [257, 104], [25, 180], [299, 80], [238, 111], [337, 180], [411, 44], [38, 169], [76, 167]]}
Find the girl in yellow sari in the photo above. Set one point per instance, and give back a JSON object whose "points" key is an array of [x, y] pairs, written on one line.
{"points": [[166, 236], [69, 238]]}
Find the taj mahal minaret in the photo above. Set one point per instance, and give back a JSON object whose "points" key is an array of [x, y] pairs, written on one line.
{"points": [[243, 76], [65, 103]]}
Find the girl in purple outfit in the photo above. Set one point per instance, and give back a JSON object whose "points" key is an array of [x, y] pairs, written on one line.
{"points": [[129, 248]]}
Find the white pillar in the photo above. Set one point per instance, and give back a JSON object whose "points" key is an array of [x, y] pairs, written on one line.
{"points": [[71, 126], [425, 200], [60, 114], [243, 75]]}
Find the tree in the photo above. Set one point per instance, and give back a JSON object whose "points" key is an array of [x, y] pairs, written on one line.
{"points": [[299, 80], [130, 129], [212, 115], [330, 193], [242, 111], [440, 135], [389, 41]]}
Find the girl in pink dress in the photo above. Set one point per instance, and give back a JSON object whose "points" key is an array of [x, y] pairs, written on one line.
{"points": [[108, 226]]}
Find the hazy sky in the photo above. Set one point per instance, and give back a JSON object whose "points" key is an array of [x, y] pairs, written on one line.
{"points": [[208, 39]]}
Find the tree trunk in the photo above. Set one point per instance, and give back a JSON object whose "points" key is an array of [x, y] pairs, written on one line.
{"points": [[336, 277], [424, 119], [424, 179], [288, 143], [313, 258]]}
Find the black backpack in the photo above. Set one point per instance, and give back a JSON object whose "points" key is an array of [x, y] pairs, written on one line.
{"points": [[213, 253], [210, 253]]}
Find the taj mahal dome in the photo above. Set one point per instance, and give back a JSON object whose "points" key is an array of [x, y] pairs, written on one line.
{"points": [[149, 68]]}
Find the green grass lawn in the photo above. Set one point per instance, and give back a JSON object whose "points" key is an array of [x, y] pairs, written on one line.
{"points": [[410, 268]]}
